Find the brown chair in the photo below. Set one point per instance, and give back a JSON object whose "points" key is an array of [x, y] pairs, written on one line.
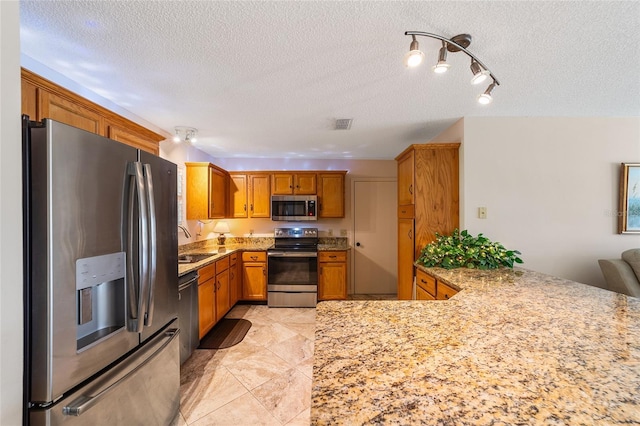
{"points": [[623, 275]]}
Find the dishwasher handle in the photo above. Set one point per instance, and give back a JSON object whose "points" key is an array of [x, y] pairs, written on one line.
{"points": [[188, 283]]}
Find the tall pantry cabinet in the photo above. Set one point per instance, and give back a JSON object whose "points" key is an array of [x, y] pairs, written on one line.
{"points": [[428, 203]]}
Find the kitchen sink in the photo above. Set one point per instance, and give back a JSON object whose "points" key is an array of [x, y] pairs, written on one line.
{"points": [[194, 257]]}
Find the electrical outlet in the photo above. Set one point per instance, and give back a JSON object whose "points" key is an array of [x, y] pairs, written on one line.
{"points": [[330, 232], [343, 232], [482, 212]]}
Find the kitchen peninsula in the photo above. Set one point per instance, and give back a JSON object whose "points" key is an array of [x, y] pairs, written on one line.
{"points": [[512, 347]]}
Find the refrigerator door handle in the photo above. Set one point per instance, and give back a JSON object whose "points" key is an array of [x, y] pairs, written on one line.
{"points": [[138, 284], [85, 402], [151, 205]]}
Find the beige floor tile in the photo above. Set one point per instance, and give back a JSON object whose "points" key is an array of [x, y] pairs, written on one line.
{"points": [[307, 330], [302, 419], [286, 395], [245, 410], [306, 367], [294, 350], [270, 333], [258, 368], [216, 388]]}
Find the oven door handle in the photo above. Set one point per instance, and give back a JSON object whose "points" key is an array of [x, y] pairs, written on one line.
{"points": [[292, 254]]}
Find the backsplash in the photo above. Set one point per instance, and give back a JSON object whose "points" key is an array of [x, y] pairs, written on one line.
{"points": [[254, 242]]}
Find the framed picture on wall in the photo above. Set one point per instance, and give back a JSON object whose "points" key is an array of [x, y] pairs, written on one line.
{"points": [[629, 212]]}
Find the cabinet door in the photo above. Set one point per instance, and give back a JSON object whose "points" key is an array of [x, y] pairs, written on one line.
{"points": [[444, 291], [238, 195], [206, 306], [331, 194], [260, 195], [426, 282], [71, 113], [197, 191], [282, 183], [422, 294], [332, 280], [405, 179], [405, 258], [234, 291], [131, 138], [254, 281], [222, 294], [217, 193], [305, 184]]}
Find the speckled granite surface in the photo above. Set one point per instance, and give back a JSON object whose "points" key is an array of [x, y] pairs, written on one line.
{"points": [[218, 252], [333, 243], [513, 347]]}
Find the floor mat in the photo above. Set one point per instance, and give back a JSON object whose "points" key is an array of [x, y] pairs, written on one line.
{"points": [[226, 333]]}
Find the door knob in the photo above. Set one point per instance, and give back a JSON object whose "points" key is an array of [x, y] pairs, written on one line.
{"points": [[358, 244]]}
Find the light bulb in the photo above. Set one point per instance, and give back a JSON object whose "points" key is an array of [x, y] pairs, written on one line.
{"points": [[176, 138], [479, 73], [441, 67], [484, 99], [413, 58]]}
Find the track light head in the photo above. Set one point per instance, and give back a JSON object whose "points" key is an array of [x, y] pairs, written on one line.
{"points": [[486, 97], [479, 73], [186, 134], [442, 66], [414, 57]]}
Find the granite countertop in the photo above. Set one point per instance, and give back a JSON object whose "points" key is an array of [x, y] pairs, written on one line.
{"points": [[216, 254], [512, 347]]}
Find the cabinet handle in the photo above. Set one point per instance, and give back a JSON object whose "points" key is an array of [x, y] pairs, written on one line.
{"points": [[410, 234], [404, 211], [264, 271], [254, 258], [422, 280], [411, 189], [333, 256], [320, 206], [446, 296], [252, 207], [245, 207]]}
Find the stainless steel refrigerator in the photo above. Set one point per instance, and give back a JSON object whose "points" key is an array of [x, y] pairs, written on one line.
{"points": [[101, 280]]}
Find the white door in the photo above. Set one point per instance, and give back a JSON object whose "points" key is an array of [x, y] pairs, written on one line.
{"points": [[375, 237]]}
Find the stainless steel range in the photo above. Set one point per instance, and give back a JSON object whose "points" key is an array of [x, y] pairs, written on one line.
{"points": [[292, 278]]}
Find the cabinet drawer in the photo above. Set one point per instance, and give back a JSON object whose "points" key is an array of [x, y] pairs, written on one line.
{"points": [[444, 291], [254, 256], [426, 282], [233, 259], [406, 212], [206, 273], [332, 256], [222, 265]]}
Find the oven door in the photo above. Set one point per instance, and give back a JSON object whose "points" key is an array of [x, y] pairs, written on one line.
{"points": [[287, 268], [292, 280]]}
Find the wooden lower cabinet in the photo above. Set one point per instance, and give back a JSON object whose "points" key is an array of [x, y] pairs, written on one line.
{"points": [[235, 289], [222, 288], [206, 299], [332, 275], [430, 288], [254, 275]]}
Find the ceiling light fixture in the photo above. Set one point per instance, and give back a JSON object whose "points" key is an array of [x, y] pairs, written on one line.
{"points": [[457, 43], [414, 57], [185, 134], [442, 66]]}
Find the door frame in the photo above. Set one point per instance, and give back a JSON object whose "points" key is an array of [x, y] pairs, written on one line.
{"points": [[352, 259]]}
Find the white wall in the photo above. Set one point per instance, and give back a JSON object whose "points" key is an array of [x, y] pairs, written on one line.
{"points": [[11, 312], [550, 186]]}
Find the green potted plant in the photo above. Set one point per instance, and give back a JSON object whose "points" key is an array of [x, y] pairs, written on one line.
{"points": [[463, 250]]}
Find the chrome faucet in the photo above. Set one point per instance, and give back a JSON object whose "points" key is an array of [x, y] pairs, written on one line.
{"points": [[185, 230]]}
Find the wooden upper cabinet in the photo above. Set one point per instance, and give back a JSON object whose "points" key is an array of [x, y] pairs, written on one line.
{"points": [[42, 98], [206, 191], [74, 114], [238, 205], [129, 137], [331, 194], [259, 195], [293, 183], [405, 177]]}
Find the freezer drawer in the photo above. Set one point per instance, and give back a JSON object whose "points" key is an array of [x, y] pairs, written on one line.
{"points": [[144, 389]]}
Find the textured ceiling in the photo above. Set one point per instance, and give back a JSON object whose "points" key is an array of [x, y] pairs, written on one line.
{"points": [[268, 79]]}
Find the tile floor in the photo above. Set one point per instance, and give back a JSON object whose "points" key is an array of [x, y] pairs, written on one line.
{"points": [[263, 380]]}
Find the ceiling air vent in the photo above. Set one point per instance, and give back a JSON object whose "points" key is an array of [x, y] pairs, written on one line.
{"points": [[343, 123]]}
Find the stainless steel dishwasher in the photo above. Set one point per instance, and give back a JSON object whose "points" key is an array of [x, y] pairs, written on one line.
{"points": [[188, 314]]}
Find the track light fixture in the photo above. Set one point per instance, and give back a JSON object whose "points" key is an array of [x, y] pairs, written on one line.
{"points": [[414, 57], [185, 134], [457, 43]]}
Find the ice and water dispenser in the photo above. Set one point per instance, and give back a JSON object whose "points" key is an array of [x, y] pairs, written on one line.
{"points": [[100, 297]]}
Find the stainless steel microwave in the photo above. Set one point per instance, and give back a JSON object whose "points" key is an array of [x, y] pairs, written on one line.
{"points": [[294, 207]]}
